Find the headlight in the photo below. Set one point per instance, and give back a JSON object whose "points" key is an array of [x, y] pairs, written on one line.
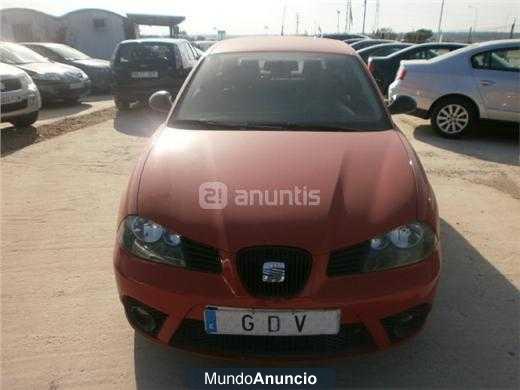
{"points": [[26, 80], [150, 241], [404, 245], [46, 76]]}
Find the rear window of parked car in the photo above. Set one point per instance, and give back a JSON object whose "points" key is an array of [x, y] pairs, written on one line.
{"points": [[137, 53], [278, 89], [502, 60]]}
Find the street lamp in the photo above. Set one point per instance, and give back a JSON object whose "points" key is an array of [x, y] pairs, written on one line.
{"points": [[439, 33], [339, 13]]}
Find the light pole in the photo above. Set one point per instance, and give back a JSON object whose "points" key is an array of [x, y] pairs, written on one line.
{"points": [[339, 13], [476, 16], [440, 22], [365, 16]]}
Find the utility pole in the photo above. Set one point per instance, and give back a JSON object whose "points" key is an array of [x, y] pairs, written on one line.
{"points": [[376, 18], [365, 16], [339, 13], [348, 16], [283, 17], [297, 23], [469, 34], [512, 32], [440, 22]]}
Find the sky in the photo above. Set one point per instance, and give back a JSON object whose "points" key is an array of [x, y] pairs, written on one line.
{"points": [[265, 16]]}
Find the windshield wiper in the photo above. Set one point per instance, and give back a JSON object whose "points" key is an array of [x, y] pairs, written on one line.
{"points": [[317, 126]]}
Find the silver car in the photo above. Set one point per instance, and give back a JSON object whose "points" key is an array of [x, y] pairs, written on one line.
{"points": [[455, 90]]}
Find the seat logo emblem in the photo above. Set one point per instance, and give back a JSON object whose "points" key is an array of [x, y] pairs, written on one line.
{"points": [[273, 272]]}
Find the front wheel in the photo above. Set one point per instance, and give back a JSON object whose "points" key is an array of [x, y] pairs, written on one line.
{"points": [[25, 120], [453, 117]]}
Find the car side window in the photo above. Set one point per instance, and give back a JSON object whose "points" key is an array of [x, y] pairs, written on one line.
{"points": [[432, 53], [187, 50], [507, 60], [418, 55]]}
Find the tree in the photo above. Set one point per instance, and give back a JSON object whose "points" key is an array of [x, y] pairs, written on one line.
{"points": [[385, 33], [419, 36]]}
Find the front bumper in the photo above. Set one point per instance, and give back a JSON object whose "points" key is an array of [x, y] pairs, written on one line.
{"points": [[368, 304], [29, 101], [61, 90]]}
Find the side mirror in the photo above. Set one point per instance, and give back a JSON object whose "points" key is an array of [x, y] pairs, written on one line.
{"points": [[402, 105], [161, 101]]}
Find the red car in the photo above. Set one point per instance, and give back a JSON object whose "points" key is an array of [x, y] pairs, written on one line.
{"points": [[279, 212]]}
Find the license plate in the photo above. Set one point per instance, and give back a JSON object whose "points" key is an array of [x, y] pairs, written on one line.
{"points": [[8, 99], [222, 320], [145, 74], [76, 85]]}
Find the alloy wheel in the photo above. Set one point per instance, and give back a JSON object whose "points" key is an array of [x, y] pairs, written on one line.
{"points": [[452, 118]]}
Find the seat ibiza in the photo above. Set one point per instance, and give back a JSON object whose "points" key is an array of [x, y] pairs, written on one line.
{"points": [[278, 212]]}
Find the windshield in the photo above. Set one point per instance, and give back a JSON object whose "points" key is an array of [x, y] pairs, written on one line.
{"points": [[11, 53], [285, 90], [67, 52], [138, 53]]}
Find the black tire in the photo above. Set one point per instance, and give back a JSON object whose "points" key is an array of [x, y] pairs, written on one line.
{"points": [[25, 120], [453, 117], [121, 104]]}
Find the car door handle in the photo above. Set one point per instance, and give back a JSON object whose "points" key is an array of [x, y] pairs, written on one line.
{"points": [[487, 83]]}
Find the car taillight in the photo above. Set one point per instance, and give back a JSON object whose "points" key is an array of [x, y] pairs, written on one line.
{"points": [[401, 74], [370, 66]]}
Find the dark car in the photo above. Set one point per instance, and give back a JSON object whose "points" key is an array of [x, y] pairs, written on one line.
{"points": [[55, 81], [343, 36], [384, 69], [368, 42], [382, 50], [97, 70], [141, 67], [352, 40]]}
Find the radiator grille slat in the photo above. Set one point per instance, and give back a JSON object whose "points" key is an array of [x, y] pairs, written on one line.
{"points": [[348, 261]]}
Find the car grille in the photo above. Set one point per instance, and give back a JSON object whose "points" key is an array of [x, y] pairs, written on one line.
{"points": [[351, 338], [201, 257], [348, 261], [7, 85], [5, 108], [297, 262]]}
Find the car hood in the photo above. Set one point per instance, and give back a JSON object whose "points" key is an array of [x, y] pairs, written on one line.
{"points": [[47, 67], [8, 71], [92, 63], [365, 181]]}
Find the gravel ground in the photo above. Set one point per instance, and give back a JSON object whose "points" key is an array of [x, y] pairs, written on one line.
{"points": [[63, 326]]}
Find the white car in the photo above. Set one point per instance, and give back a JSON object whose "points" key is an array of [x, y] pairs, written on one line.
{"points": [[19, 97], [455, 90]]}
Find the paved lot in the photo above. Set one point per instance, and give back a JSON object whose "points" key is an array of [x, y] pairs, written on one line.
{"points": [[63, 327]]}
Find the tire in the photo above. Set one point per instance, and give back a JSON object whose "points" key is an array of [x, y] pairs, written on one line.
{"points": [[121, 104], [25, 120], [453, 117]]}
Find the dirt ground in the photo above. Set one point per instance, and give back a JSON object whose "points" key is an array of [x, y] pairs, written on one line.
{"points": [[63, 326]]}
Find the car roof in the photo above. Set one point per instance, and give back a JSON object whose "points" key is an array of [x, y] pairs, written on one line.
{"points": [[497, 43], [387, 44], [153, 40], [281, 43], [427, 45]]}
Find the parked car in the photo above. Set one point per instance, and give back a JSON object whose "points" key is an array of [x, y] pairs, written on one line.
{"points": [[19, 97], [368, 42], [54, 81], [142, 66], [384, 69], [203, 45], [98, 70], [481, 81], [352, 40], [236, 234], [343, 36], [382, 50]]}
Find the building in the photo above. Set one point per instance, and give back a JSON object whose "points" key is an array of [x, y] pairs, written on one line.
{"points": [[95, 32]]}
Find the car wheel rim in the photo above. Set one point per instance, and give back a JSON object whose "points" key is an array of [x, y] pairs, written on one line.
{"points": [[452, 119]]}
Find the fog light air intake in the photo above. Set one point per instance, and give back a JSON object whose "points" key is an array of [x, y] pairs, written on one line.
{"points": [[406, 323], [144, 318]]}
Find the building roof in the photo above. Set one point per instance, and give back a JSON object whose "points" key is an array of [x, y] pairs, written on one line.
{"points": [[278, 43], [155, 20]]}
